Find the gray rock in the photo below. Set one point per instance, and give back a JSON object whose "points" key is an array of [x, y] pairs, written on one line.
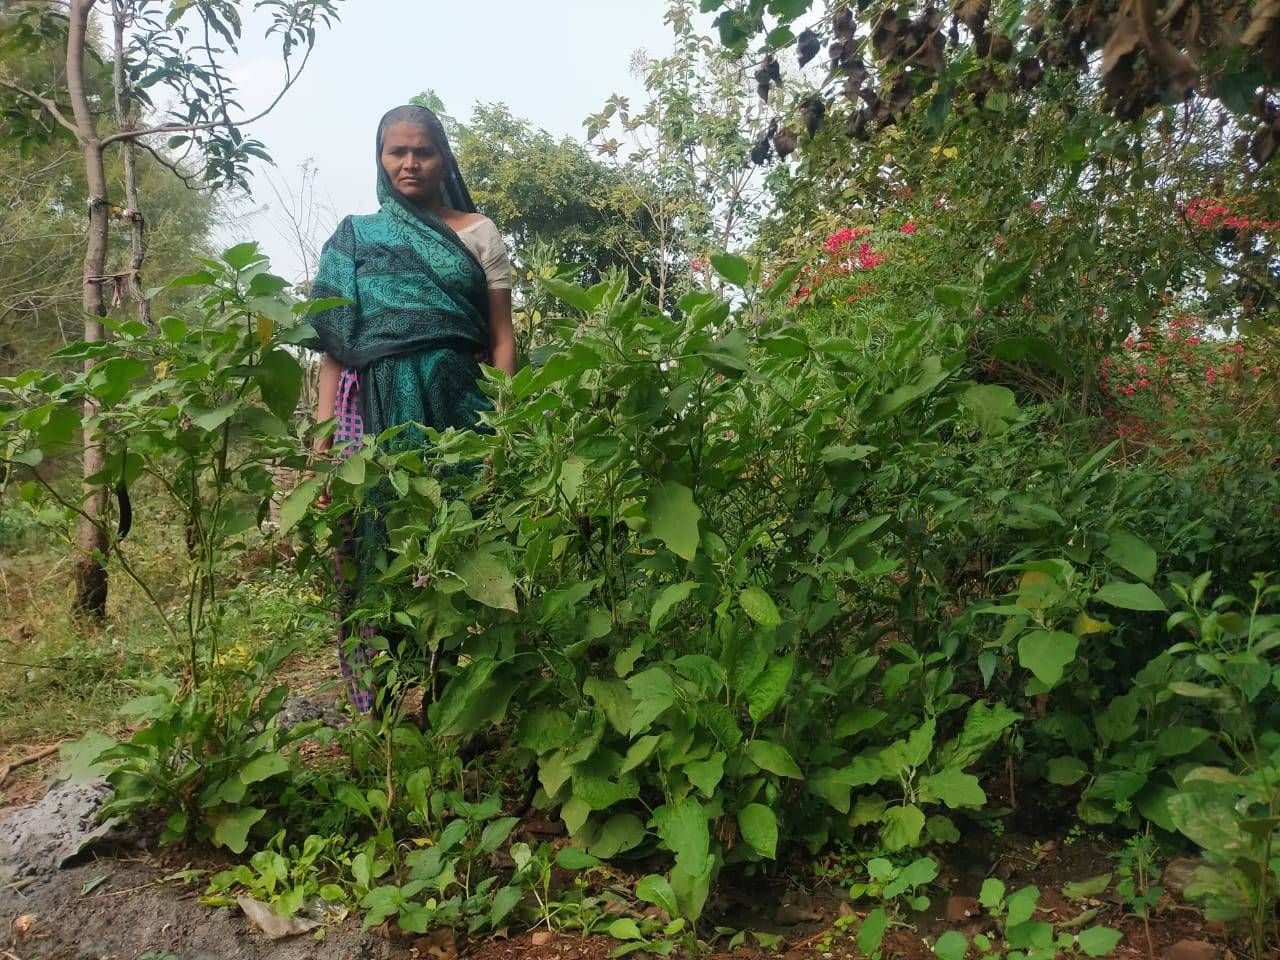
{"points": [[298, 710], [53, 832]]}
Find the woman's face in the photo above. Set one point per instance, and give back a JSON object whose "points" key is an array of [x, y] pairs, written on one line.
{"points": [[412, 162]]}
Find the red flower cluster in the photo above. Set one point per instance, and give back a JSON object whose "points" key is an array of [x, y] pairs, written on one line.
{"points": [[839, 241], [1171, 372], [1211, 214], [847, 252], [699, 264]]}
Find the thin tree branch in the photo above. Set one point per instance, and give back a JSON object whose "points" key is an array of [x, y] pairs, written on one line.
{"points": [[50, 106], [189, 180], [290, 79]]}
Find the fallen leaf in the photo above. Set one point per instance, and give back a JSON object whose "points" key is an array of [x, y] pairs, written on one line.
{"points": [[24, 923], [439, 944], [92, 885], [541, 938], [272, 925]]}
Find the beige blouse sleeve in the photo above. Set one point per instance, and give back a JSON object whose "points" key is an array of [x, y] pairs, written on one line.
{"points": [[491, 250]]}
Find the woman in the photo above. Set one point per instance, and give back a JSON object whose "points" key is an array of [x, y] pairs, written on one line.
{"points": [[429, 285]]}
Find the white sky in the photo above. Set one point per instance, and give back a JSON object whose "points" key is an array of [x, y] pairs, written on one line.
{"points": [[551, 61]]}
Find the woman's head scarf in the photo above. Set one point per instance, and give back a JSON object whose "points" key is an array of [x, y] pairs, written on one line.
{"points": [[452, 187]]}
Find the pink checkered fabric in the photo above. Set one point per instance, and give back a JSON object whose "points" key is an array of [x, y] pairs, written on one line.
{"points": [[353, 654]]}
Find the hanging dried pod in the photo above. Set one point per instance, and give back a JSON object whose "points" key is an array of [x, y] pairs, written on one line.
{"points": [[785, 142], [813, 109], [842, 25], [808, 46]]}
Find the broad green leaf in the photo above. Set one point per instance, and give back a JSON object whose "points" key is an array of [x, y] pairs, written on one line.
{"points": [[952, 945], [759, 828], [770, 688], [111, 379], [544, 730], [1047, 654], [654, 693], [953, 787], [575, 858], [495, 834], [657, 890], [571, 294], [504, 901], [488, 580], [733, 268], [759, 606], [279, 378], [1021, 906], [706, 774], [639, 752], [1133, 554], [624, 928], [671, 595], [614, 698], [992, 893], [1002, 281], [774, 758], [1099, 941], [983, 726], [231, 827], [620, 833], [683, 828], [262, 767], [673, 517], [902, 827], [894, 401], [1180, 739], [1207, 815], [1130, 596], [1065, 771], [993, 407], [79, 758], [780, 286], [871, 932], [295, 505]]}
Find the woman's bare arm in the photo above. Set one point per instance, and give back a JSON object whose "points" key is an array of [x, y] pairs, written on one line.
{"points": [[327, 397], [502, 336]]}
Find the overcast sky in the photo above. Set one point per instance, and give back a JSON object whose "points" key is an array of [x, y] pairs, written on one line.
{"points": [[552, 61]]}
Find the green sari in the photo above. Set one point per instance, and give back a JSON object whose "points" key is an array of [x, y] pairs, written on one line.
{"points": [[417, 316], [415, 321]]}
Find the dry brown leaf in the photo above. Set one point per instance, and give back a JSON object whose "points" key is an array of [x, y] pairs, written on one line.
{"points": [[541, 938], [274, 926], [439, 944]]}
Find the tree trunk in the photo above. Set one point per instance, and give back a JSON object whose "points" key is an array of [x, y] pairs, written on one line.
{"points": [[90, 573], [126, 121]]}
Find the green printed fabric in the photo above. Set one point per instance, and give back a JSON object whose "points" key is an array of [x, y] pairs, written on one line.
{"points": [[417, 316]]}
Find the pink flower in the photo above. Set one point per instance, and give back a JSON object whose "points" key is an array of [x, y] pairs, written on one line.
{"points": [[1128, 390], [1036, 206], [1140, 368], [1193, 341], [1255, 372], [1144, 382], [908, 228]]}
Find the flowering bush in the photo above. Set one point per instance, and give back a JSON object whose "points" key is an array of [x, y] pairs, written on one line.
{"points": [[1172, 376], [845, 253]]}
